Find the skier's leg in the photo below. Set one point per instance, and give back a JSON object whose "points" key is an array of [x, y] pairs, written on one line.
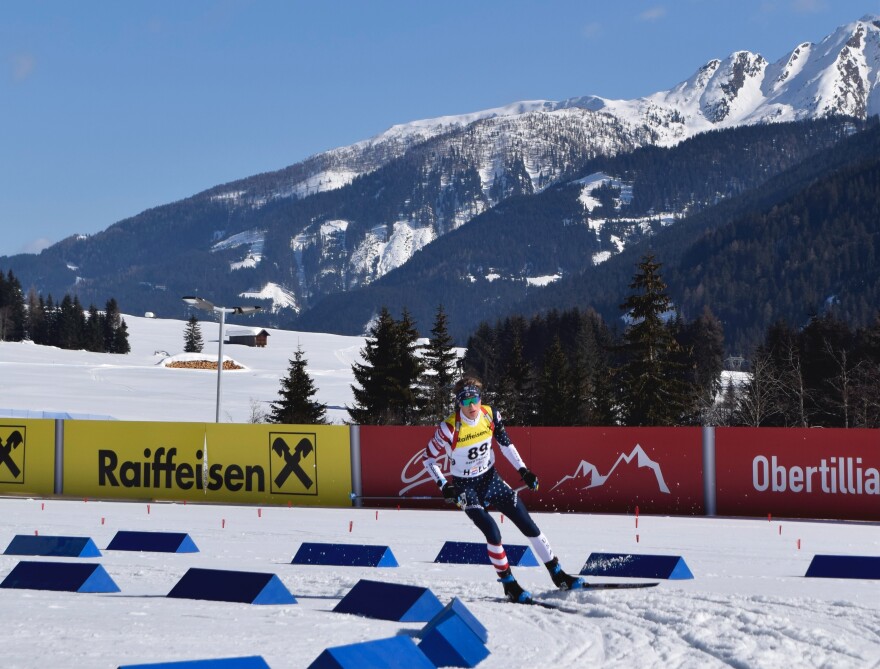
{"points": [[520, 516], [516, 510], [497, 555], [487, 525]]}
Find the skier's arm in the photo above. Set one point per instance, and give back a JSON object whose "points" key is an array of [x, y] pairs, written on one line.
{"points": [[436, 447], [507, 447]]}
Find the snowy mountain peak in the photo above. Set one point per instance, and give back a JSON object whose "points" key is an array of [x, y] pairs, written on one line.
{"points": [[838, 76], [442, 172], [734, 89]]}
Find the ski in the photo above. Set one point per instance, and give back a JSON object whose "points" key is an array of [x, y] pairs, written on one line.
{"points": [[616, 586], [590, 587]]}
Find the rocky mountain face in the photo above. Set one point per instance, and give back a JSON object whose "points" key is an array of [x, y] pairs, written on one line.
{"points": [[342, 219]]}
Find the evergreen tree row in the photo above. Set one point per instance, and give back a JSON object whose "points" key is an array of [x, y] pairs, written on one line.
{"points": [[65, 324], [571, 369], [403, 382]]}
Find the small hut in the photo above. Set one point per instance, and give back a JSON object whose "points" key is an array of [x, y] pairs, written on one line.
{"points": [[248, 336]]}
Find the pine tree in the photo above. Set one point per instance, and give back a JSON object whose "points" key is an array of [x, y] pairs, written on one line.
{"points": [[516, 397], [441, 370], [653, 391], [70, 324], [372, 397], [192, 336], [35, 323], [388, 377], [111, 314], [296, 404], [120, 340], [705, 340], [482, 357], [115, 329], [94, 331], [556, 406], [50, 317], [12, 309], [408, 370]]}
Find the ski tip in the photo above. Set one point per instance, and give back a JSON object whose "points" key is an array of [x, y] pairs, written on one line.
{"points": [[618, 586]]}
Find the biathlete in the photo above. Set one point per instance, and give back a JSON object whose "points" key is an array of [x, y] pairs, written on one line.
{"points": [[465, 438]]}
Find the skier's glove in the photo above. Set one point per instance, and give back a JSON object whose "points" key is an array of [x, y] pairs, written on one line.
{"points": [[529, 478], [451, 492]]}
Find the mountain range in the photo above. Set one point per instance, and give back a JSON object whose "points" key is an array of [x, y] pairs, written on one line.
{"points": [[520, 207]]}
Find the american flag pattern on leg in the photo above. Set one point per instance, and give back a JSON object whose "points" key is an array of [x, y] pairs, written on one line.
{"points": [[498, 557]]}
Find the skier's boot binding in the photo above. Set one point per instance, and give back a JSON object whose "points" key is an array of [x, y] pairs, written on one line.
{"points": [[562, 580], [514, 590]]}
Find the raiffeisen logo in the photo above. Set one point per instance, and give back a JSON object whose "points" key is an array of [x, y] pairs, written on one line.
{"points": [[833, 476], [160, 469], [12, 446], [587, 471]]}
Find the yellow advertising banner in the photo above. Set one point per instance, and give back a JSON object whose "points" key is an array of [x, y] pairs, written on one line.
{"points": [[226, 463], [27, 456]]}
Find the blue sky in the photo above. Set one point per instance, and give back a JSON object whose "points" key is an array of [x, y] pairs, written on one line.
{"points": [[109, 108]]}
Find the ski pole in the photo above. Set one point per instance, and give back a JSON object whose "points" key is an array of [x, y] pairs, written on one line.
{"points": [[367, 497]]}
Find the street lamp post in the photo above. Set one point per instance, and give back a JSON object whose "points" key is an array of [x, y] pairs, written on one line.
{"points": [[208, 306]]}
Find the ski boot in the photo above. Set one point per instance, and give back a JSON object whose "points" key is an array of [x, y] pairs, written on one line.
{"points": [[562, 580], [513, 590]]}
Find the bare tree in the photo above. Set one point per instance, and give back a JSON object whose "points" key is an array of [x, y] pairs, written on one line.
{"points": [[842, 383], [257, 415], [866, 394], [756, 401], [793, 386]]}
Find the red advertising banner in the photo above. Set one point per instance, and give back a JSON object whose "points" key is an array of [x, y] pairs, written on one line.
{"points": [[391, 465], [615, 470], [602, 470], [799, 473]]}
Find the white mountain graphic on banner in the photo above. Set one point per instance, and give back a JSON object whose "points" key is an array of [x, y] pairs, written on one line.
{"points": [[596, 479]]}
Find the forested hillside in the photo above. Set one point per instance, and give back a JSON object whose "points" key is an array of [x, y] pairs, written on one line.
{"points": [[477, 272], [788, 250]]}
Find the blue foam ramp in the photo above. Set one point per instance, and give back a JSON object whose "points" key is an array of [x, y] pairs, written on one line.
{"points": [[844, 566], [671, 567], [25, 544], [456, 608], [390, 601], [398, 652], [250, 662], [220, 585], [345, 555], [61, 576], [157, 542], [464, 552], [452, 643]]}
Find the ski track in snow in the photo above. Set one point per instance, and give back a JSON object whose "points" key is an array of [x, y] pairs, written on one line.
{"points": [[735, 613]]}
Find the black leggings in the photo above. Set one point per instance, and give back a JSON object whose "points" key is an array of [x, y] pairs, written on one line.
{"points": [[517, 512], [489, 489]]}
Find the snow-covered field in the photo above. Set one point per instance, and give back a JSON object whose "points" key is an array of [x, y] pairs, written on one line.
{"points": [[137, 387], [749, 604]]}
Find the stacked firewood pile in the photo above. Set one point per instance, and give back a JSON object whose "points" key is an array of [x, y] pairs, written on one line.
{"points": [[203, 364]]}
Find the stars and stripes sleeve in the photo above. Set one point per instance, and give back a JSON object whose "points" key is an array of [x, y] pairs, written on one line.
{"points": [[507, 447], [437, 447]]}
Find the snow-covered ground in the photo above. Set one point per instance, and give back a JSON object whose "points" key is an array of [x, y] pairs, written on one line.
{"points": [[137, 386], [749, 604]]}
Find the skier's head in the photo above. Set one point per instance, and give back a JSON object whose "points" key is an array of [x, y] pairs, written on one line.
{"points": [[468, 395]]}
